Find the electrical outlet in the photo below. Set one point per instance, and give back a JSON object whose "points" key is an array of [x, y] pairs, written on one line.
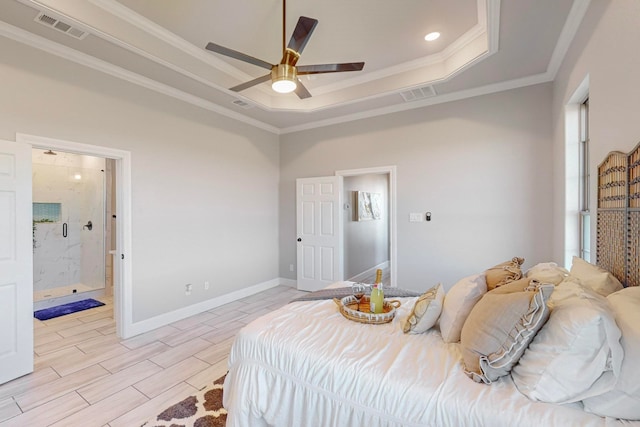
{"points": [[187, 288], [206, 285], [290, 267]]}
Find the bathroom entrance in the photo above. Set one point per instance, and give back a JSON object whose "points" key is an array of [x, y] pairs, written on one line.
{"points": [[73, 212]]}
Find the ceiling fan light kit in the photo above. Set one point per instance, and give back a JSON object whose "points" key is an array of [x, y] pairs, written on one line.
{"points": [[284, 75], [283, 78]]}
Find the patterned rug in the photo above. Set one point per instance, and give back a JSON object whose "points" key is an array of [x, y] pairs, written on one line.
{"points": [[202, 409]]}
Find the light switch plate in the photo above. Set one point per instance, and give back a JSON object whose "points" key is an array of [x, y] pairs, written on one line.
{"points": [[415, 217]]}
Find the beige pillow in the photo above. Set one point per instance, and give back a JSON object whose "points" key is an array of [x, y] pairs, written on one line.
{"points": [[500, 327], [547, 272], [504, 273], [458, 303], [425, 311], [594, 277]]}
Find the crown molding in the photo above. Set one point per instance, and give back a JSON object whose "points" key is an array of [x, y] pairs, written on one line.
{"points": [[48, 46], [569, 30]]}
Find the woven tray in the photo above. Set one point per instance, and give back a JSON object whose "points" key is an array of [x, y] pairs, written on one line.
{"points": [[348, 307]]}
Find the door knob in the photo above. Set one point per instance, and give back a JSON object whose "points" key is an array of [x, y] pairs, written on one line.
{"points": [[299, 239]]}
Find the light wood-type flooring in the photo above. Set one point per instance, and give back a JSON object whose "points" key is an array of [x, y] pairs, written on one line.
{"points": [[85, 376]]}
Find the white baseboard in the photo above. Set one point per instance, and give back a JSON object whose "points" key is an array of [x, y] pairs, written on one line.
{"points": [[182, 313], [358, 277]]}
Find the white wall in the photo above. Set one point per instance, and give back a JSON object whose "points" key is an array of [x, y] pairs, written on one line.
{"points": [[606, 50], [481, 166], [366, 243], [204, 187]]}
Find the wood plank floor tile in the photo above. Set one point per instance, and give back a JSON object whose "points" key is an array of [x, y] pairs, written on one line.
{"points": [[194, 321], [181, 352], [216, 353], [50, 412], [83, 327], [8, 409], [99, 343], [28, 382], [149, 337], [180, 337], [54, 389], [48, 359], [105, 410], [209, 375], [65, 342], [120, 362], [162, 381], [154, 406], [66, 367], [105, 314], [112, 384]]}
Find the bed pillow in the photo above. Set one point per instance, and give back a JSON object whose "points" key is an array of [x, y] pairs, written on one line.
{"points": [[458, 303], [500, 327], [504, 273], [594, 277], [566, 360], [547, 272], [624, 400], [425, 311]]}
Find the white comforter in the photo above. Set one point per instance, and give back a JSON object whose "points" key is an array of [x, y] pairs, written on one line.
{"points": [[305, 365]]}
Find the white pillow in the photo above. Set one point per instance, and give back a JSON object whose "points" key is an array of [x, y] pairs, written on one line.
{"points": [[458, 303], [547, 272], [594, 277], [624, 400], [566, 360], [425, 311]]}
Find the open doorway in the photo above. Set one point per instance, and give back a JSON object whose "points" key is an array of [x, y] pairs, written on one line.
{"points": [[73, 205], [120, 231], [369, 240]]}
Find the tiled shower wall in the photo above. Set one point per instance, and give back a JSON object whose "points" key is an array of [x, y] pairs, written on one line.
{"points": [[77, 183]]}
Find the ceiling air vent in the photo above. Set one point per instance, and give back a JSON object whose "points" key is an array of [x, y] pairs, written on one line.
{"points": [[418, 94], [61, 26], [242, 104]]}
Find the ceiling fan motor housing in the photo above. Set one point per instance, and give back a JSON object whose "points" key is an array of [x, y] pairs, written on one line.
{"points": [[283, 72]]}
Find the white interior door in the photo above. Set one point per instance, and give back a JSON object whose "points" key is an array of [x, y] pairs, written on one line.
{"points": [[16, 258], [319, 232]]}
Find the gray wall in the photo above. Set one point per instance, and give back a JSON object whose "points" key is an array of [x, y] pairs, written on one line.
{"points": [[366, 243], [481, 166], [606, 50], [205, 188]]}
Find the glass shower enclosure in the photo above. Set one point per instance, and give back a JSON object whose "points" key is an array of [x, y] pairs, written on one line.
{"points": [[68, 227]]}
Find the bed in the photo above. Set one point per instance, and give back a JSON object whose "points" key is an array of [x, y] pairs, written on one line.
{"points": [[306, 365]]}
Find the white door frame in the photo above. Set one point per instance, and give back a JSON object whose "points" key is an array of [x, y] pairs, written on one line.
{"points": [[122, 277], [393, 247]]}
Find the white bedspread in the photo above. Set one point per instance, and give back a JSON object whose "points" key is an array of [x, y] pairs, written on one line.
{"points": [[305, 365]]}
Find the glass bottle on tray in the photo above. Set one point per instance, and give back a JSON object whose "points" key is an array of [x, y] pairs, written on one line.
{"points": [[377, 294]]}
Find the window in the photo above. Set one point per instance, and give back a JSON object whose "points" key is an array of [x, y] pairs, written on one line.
{"points": [[585, 216]]}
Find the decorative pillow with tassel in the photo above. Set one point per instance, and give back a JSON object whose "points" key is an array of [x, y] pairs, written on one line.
{"points": [[504, 273]]}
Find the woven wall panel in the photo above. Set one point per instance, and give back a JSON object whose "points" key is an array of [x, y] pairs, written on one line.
{"points": [[612, 238], [633, 248]]}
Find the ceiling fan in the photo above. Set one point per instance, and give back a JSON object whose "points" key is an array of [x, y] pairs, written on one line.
{"points": [[284, 75]]}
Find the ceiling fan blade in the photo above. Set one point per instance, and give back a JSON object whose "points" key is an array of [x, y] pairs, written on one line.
{"points": [[238, 55], [302, 33], [250, 83], [302, 91], [329, 68]]}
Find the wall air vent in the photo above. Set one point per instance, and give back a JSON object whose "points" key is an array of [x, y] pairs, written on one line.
{"points": [[61, 26], [418, 93], [242, 104]]}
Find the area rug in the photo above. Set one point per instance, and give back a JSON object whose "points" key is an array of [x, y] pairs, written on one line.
{"points": [[202, 409], [61, 310]]}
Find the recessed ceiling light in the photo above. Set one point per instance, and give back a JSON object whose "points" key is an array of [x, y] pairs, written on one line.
{"points": [[432, 36]]}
